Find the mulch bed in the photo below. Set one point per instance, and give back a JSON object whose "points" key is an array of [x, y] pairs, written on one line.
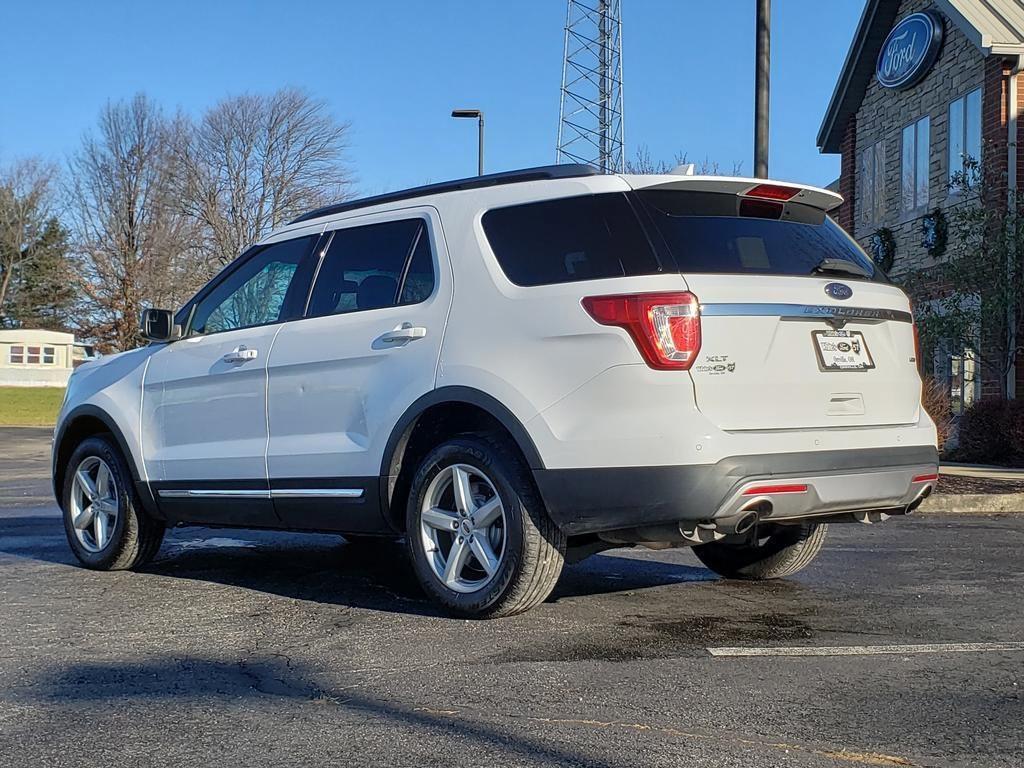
{"points": [[958, 484]]}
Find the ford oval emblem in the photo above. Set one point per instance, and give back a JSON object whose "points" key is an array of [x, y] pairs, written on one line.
{"points": [[839, 291], [909, 51]]}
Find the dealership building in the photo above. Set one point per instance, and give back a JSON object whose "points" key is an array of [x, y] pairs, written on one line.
{"points": [[927, 87]]}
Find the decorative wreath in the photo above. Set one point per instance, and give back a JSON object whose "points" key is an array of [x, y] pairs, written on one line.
{"points": [[934, 232], [883, 248]]}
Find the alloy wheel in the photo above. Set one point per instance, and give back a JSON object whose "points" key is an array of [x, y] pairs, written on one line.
{"points": [[94, 504], [462, 526]]}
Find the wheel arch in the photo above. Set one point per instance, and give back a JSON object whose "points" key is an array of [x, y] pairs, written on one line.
{"points": [[451, 410], [84, 422]]}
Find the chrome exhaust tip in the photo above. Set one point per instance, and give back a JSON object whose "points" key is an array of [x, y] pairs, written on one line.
{"points": [[744, 521], [919, 499]]}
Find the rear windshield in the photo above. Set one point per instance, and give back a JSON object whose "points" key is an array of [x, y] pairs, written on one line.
{"points": [[722, 233]]}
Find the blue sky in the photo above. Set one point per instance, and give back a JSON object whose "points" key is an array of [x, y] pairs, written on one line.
{"points": [[395, 70]]}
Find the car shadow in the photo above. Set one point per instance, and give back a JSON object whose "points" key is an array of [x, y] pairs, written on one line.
{"points": [[375, 575], [609, 572]]}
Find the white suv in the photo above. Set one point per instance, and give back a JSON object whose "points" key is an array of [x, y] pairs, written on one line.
{"points": [[513, 370]]}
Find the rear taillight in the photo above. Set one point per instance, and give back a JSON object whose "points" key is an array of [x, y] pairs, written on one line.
{"points": [[665, 326]]}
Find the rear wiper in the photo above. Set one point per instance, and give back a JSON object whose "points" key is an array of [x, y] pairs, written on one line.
{"points": [[840, 266]]}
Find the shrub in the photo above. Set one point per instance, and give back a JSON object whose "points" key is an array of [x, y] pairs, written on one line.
{"points": [[985, 431], [935, 399], [1015, 429]]}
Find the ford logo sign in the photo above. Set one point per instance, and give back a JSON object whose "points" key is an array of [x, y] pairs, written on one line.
{"points": [[839, 291], [910, 50]]}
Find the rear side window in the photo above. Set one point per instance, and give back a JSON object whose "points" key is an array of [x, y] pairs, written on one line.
{"points": [[375, 266], [570, 239], [722, 233]]}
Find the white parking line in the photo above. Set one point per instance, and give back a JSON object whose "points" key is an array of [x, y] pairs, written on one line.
{"points": [[868, 650]]}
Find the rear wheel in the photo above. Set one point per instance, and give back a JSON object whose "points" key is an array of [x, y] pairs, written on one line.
{"points": [[103, 519], [766, 552], [481, 542]]}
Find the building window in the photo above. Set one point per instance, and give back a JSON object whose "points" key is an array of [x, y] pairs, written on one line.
{"points": [[17, 355], [957, 369], [964, 139], [32, 358], [49, 356], [914, 167], [872, 185]]}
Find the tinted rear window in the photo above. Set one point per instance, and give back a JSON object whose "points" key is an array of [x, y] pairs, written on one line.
{"points": [[570, 239], [365, 266], [705, 232]]}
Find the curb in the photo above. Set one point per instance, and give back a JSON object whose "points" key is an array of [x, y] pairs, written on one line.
{"points": [[972, 503]]}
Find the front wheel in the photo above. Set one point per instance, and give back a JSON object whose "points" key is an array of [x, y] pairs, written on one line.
{"points": [[480, 540], [766, 552], [103, 519]]}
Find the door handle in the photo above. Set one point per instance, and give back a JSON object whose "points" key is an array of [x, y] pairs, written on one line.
{"points": [[240, 355], [405, 332]]}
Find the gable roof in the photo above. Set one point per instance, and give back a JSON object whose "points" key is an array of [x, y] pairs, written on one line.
{"points": [[996, 27]]}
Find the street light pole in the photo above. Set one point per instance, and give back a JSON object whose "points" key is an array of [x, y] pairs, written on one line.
{"points": [[480, 134], [762, 64]]}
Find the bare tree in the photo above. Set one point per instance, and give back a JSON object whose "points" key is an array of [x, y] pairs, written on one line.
{"points": [[131, 240], [253, 162], [26, 212], [643, 163]]}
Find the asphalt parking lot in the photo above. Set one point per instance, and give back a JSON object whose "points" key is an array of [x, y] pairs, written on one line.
{"points": [[264, 649]]}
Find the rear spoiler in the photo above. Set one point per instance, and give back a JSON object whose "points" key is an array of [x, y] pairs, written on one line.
{"points": [[764, 189]]}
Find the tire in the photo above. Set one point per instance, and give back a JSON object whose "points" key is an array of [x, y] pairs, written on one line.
{"points": [[134, 538], [526, 549], [785, 550]]}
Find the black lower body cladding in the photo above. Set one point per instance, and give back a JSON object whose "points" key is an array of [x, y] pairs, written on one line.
{"points": [[584, 501]]}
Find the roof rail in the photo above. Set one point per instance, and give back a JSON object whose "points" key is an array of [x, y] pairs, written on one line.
{"points": [[566, 171]]}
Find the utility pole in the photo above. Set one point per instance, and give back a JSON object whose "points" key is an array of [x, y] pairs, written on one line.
{"points": [[762, 55]]}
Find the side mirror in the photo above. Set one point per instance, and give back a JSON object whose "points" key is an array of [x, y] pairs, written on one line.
{"points": [[158, 325]]}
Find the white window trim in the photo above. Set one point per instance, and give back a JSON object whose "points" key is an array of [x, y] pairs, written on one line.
{"points": [[871, 190], [943, 354], [918, 209], [955, 191]]}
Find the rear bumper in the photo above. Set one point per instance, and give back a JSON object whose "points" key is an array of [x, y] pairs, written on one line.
{"points": [[584, 501]]}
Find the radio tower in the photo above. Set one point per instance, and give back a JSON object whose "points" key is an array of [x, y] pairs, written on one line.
{"points": [[590, 116]]}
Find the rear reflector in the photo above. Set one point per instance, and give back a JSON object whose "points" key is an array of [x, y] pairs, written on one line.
{"points": [[664, 326], [925, 478], [774, 490], [772, 192]]}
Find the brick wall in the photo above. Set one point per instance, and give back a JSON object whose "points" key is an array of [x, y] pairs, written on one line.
{"points": [[1020, 200], [884, 113], [847, 185], [882, 117], [994, 129]]}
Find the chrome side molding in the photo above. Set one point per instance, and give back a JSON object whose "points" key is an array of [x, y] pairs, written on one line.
{"points": [[212, 493], [279, 493], [317, 493]]}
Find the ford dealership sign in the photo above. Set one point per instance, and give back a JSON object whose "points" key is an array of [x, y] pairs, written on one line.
{"points": [[910, 50]]}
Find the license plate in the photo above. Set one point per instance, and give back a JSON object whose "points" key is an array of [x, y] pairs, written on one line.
{"points": [[842, 351]]}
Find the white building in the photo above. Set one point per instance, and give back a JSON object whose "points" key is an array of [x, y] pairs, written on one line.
{"points": [[37, 358]]}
